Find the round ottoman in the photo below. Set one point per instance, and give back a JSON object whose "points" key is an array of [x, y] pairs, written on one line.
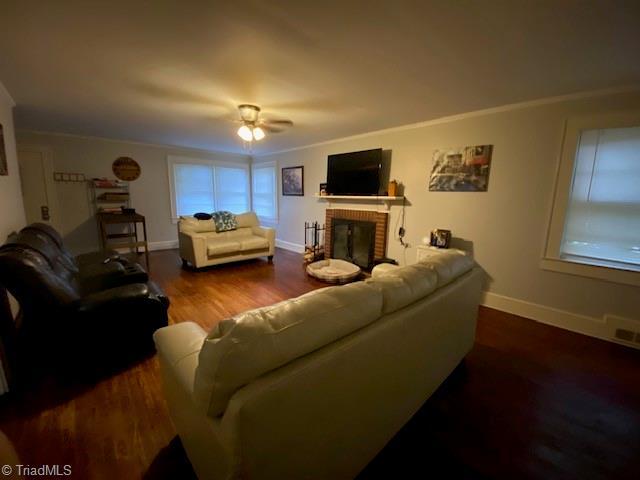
{"points": [[333, 271]]}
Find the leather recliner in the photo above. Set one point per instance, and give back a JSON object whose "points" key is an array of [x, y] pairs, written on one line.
{"points": [[108, 263], [84, 259], [70, 309]]}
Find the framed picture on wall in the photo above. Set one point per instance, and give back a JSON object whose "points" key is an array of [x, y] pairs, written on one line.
{"points": [[3, 154], [461, 169], [293, 181]]}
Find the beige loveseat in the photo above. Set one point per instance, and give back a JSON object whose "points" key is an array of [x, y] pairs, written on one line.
{"points": [[201, 246], [315, 386]]}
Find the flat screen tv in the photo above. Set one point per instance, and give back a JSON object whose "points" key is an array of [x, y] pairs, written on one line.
{"points": [[355, 173]]}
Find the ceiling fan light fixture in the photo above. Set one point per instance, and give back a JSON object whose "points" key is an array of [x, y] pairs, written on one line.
{"points": [[244, 132], [258, 133], [249, 113], [253, 127]]}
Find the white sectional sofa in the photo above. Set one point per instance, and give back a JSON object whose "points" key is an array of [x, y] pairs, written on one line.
{"points": [[315, 386], [201, 246]]}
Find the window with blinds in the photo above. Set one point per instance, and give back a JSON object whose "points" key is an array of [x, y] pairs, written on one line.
{"points": [[265, 191], [232, 189], [603, 215], [201, 186], [193, 188]]}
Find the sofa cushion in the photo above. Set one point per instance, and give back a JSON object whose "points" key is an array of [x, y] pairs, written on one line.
{"points": [[222, 247], [237, 234], [192, 224], [253, 243], [401, 286], [449, 264], [224, 221], [248, 219], [242, 348]]}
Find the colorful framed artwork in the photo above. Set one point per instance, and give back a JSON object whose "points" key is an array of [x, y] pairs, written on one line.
{"points": [[461, 170]]}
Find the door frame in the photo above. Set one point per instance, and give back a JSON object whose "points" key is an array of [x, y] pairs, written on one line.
{"points": [[50, 189]]}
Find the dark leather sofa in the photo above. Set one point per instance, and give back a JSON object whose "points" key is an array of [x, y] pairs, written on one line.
{"points": [[93, 310], [93, 271]]}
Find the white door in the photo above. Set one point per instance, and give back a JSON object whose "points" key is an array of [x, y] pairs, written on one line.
{"points": [[38, 187]]}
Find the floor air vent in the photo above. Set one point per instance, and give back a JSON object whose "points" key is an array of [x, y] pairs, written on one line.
{"points": [[624, 330], [626, 335]]}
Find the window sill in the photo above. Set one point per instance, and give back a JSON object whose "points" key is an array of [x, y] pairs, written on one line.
{"points": [[629, 275]]}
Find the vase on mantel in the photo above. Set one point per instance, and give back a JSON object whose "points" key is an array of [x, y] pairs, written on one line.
{"points": [[393, 188]]}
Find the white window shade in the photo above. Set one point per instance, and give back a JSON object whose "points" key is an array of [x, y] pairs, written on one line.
{"points": [[603, 216], [193, 188], [232, 192], [265, 191]]}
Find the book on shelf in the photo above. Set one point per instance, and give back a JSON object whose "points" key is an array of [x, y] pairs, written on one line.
{"points": [[114, 197], [107, 183]]}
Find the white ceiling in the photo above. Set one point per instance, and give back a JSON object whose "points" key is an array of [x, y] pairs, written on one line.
{"points": [[173, 72]]}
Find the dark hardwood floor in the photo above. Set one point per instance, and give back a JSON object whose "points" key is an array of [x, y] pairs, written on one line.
{"points": [[530, 401]]}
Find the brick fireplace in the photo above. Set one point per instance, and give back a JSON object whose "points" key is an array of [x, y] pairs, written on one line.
{"points": [[379, 219]]}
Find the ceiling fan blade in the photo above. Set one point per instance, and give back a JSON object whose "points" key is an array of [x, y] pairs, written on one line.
{"points": [[284, 122], [270, 129]]}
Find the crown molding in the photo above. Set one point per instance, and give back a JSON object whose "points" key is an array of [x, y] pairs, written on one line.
{"points": [[133, 142], [472, 114]]}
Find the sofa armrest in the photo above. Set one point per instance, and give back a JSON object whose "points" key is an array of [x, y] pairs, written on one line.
{"points": [[193, 247], [112, 297], [268, 233], [98, 257], [124, 317], [102, 276], [101, 269], [178, 347], [382, 269]]}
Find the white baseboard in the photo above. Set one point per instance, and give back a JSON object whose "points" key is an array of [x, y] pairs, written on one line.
{"points": [[164, 245], [294, 247], [574, 322]]}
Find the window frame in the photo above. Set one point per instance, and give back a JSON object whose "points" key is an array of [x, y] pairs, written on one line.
{"points": [[552, 258], [178, 159], [274, 165]]}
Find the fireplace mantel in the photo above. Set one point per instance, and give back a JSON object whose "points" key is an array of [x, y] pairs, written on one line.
{"points": [[380, 200]]}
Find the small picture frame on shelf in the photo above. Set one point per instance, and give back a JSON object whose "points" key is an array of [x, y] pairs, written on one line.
{"points": [[440, 238], [293, 181], [323, 189]]}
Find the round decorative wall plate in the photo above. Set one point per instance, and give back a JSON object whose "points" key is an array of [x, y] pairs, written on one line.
{"points": [[126, 168]]}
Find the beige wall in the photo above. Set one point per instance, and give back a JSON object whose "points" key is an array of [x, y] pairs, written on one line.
{"points": [[93, 157], [11, 205], [507, 224]]}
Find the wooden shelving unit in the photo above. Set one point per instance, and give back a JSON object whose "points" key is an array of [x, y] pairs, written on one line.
{"points": [[107, 197], [123, 240], [114, 196]]}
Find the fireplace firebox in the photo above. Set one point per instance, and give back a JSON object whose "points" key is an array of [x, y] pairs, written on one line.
{"points": [[354, 241]]}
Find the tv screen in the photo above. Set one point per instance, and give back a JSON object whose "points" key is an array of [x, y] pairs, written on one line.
{"points": [[355, 173]]}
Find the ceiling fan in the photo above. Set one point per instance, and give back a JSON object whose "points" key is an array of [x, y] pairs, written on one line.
{"points": [[253, 127]]}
